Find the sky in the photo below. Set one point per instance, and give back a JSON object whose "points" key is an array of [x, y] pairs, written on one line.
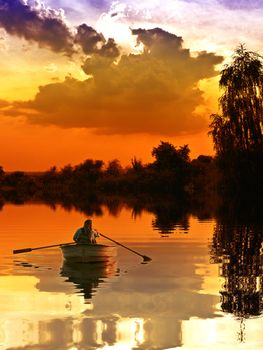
{"points": [[109, 80]]}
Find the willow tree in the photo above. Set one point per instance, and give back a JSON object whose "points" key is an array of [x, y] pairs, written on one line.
{"points": [[239, 126]]}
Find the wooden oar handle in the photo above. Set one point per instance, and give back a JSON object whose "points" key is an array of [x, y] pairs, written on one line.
{"points": [[26, 250], [145, 258], [18, 251]]}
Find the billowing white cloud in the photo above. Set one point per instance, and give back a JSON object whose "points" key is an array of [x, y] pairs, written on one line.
{"points": [[215, 25]]}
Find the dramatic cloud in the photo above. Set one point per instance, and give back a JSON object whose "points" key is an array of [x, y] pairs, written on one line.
{"points": [[47, 27], [202, 23], [154, 92], [93, 42], [38, 24], [89, 39]]}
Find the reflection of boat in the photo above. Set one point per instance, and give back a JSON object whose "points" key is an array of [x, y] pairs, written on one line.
{"points": [[88, 253], [87, 277]]}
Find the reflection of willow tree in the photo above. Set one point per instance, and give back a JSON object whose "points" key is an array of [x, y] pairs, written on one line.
{"points": [[237, 249]]}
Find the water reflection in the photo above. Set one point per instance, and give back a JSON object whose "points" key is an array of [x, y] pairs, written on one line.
{"points": [[88, 277], [237, 248], [74, 333], [170, 214], [170, 303], [170, 217]]}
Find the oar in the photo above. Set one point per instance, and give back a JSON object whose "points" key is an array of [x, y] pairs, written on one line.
{"points": [[26, 250], [145, 258]]}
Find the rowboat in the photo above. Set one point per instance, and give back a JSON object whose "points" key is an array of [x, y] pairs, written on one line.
{"points": [[88, 253]]}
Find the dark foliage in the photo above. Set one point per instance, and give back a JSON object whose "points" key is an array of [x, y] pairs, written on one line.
{"points": [[238, 132], [237, 248]]}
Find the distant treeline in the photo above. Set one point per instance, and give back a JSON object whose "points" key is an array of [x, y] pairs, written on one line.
{"points": [[171, 172]]}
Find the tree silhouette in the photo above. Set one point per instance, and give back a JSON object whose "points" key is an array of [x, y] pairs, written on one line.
{"points": [[114, 168], [168, 156], [2, 172], [137, 166], [239, 127]]}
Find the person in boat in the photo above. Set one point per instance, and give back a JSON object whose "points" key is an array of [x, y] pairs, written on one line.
{"points": [[86, 234]]}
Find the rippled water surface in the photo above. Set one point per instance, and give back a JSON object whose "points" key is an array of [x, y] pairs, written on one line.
{"points": [[185, 298]]}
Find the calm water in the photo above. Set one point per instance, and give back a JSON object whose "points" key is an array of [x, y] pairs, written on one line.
{"points": [[190, 296]]}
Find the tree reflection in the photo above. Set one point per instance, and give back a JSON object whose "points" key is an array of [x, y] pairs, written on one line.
{"points": [[236, 247], [169, 218], [170, 213]]}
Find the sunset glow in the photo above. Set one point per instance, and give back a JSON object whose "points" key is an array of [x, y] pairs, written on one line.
{"points": [[109, 80], [131, 160]]}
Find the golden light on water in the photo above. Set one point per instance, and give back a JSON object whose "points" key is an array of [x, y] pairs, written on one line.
{"points": [[221, 333], [131, 331], [173, 302], [25, 310], [130, 334], [19, 294]]}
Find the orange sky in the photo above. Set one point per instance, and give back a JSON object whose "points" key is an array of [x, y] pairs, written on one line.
{"points": [[114, 85], [39, 148]]}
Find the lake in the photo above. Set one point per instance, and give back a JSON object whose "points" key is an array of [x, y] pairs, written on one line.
{"points": [[202, 289]]}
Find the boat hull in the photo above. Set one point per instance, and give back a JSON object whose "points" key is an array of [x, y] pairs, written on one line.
{"points": [[88, 253]]}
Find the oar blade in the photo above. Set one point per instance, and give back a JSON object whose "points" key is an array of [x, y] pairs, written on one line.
{"points": [[19, 251], [146, 258]]}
